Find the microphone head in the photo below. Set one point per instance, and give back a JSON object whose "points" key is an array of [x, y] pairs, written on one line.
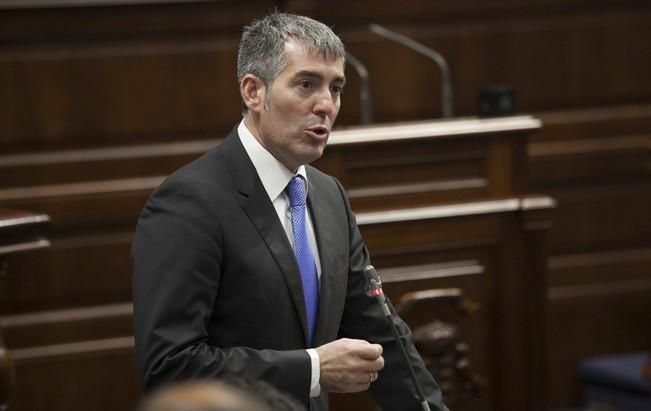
{"points": [[373, 281]]}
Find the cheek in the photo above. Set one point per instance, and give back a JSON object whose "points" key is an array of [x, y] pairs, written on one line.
{"points": [[295, 118]]}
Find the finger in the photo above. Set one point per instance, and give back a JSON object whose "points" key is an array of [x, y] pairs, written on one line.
{"points": [[370, 352], [375, 365], [366, 377]]}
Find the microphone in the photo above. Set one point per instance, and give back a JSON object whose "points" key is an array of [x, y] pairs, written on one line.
{"points": [[364, 92], [374, 289], [447, 96]]}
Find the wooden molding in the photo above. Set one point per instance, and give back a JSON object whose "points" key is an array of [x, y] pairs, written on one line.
{"points": [[42, 4], [455, 210], [95, 346], [427, 271], [438, 128]]}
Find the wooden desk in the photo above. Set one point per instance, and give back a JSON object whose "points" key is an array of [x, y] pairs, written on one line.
{"points": [[430, 162], [440, 204], [19, 231], [443, 204]]}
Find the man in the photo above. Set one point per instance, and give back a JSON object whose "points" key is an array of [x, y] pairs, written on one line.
{"points": [[235, 275]]}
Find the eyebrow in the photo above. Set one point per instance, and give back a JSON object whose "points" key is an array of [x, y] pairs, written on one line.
{"points": [[313, 74]]}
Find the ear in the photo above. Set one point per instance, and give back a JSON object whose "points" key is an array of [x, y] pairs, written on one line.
{"points": [[252, 90]]}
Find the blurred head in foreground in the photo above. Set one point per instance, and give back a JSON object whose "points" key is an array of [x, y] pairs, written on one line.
{"points": [[211, 395]]}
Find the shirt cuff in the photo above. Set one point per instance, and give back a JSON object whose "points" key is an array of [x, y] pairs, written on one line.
{"points": [[315, 387]]}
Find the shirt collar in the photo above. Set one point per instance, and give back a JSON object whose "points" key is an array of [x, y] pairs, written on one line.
{"points": [[273, 174]]}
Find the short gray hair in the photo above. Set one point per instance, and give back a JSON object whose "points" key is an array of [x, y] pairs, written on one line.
{"points": [[262, 47]]}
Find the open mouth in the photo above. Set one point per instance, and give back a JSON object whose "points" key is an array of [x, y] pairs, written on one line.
{"points": [[320, 131]]}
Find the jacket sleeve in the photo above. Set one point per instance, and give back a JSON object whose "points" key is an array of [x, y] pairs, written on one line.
{"points": [[177, 260], [363, 319]]}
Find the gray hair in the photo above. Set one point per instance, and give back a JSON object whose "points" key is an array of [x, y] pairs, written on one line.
{"points": [[262, 47]]}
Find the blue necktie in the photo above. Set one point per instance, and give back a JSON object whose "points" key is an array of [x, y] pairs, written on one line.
{"points": [[303, 251]]}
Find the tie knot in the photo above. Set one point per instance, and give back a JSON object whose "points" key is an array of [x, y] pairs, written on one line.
{"points": [[296, 191]]}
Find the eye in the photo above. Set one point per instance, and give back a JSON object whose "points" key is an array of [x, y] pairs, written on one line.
{"points": [[305, 84], [336, 89]]}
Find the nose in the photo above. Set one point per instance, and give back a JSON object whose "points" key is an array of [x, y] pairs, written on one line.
{"points": [[325, 104]]}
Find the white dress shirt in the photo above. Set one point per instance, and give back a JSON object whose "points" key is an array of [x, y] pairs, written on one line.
{"points": [[275, 177]]}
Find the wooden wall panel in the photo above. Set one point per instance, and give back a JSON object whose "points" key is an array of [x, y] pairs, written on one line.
{"points": [[74, 272], [106, 369], [48, 170], [114, 93], [554, 60], [90, 207], [66, 326], [424, 10], [609, 217], [595, 163], [120, 74], [582, 270], [595, 319], [591, 148]]}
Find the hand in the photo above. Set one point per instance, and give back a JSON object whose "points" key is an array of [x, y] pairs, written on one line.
{"points": [[349, 365]]}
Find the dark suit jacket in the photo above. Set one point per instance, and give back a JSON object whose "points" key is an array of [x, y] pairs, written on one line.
{"points": [[217, 291]]}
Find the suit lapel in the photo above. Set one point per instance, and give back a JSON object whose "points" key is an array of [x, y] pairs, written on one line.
{"points": [[260, 210]]}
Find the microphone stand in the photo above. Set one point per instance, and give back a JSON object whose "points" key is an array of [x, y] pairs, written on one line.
{"points": [[447, 97], [364, 93], [375, 290]]}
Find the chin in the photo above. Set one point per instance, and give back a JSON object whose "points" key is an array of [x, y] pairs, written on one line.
{"points": [[318, 154], [312, 154], [311, 157]]}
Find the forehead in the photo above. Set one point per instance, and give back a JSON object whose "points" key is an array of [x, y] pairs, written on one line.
{"points": [[301, 58]]}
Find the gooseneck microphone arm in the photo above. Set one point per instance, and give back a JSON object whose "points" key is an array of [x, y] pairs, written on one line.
{"points": [[366, 105], [447, 96], [374, 289]]}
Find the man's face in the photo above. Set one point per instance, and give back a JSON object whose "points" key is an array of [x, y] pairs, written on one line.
{"points": [[301, 106]]}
